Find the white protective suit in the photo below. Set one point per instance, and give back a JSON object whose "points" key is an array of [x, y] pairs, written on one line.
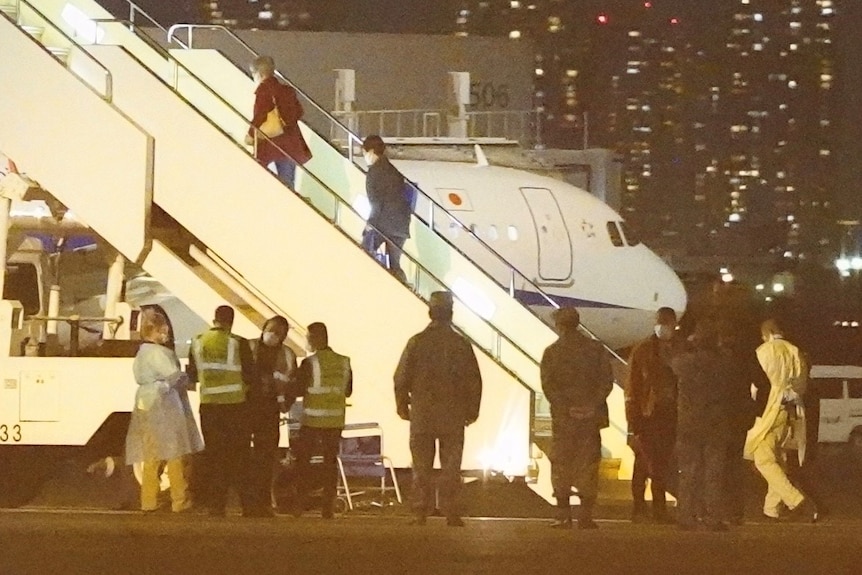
{"points": [[162, 426], [770, 435]]}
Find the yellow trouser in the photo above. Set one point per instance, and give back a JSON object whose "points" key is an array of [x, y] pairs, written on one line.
{"points": [[150, 485], [769, 461]]}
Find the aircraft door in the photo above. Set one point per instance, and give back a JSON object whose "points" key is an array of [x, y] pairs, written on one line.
{"points": [[554, 242]]}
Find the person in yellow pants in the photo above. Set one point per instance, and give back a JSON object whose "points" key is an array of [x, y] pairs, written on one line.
{"points": [[162, 430]]}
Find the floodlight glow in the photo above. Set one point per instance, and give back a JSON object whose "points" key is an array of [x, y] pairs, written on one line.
{"points": [[473, 298], [85, 29], [843, 264], [778, 287]]}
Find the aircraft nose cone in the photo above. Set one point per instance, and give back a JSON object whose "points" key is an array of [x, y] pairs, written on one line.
{"points": [[666, 289], [671, 291]]}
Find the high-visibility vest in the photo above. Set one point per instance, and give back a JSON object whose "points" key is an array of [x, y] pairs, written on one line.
{"points": [[325, 398], [217, 359]]}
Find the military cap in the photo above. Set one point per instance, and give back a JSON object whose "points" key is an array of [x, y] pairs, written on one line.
{"points": [[440, 299]]}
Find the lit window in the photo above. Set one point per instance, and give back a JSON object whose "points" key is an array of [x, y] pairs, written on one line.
{"points": [[492, 233], [540, 72], [514, 34], [758, 17], [515, 4]]}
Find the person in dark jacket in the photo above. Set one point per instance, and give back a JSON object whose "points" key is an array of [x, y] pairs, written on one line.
{"points": [[703, 428], [274, 365], [744, 371], [438, 389], [389, 221], [650, 394], [289, 148], [576, 379]]}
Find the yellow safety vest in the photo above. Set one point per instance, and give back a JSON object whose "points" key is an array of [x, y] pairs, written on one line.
{"points": [[217, 359], [325, 398]]}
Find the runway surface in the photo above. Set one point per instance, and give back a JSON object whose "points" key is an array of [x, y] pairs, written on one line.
{"points": [[64, 541]]}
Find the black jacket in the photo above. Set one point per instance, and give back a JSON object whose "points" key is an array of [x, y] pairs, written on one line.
{"points": [[390, 207]]}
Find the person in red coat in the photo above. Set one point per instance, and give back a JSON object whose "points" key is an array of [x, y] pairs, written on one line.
{"points": [[289, 148]]}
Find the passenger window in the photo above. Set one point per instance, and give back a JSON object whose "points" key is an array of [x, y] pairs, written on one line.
{"points": [[631, 237], [454, 228], [830, 388], [614, 233], [474, 229], [492, 233], [854, 386], [513, 233]]}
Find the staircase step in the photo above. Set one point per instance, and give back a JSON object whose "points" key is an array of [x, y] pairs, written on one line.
{"points": [[61, 54], [35, 31]]}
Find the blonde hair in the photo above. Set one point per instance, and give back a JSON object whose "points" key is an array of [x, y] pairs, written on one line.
{"points": [[153, 324], [263, 65]]}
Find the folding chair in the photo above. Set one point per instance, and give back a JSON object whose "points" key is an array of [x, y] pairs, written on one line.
{"points": [[361, 455]]}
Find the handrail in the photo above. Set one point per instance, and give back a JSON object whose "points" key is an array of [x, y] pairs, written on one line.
{"points": [[109, 79], [354, 139], [340, 204]]}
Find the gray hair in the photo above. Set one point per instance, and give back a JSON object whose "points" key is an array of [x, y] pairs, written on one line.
{"points": [[263, 65]]}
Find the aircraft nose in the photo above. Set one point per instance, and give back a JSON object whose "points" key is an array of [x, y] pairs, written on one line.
{"points": [[670, 289]]}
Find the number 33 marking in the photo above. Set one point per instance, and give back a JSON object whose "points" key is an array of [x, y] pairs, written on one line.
{"points": [[8, 433]]}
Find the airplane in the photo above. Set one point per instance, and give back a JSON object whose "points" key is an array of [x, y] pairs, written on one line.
{"points": [[569, 248], [574, 249]]}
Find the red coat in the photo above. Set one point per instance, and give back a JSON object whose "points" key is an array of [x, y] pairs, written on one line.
{"points": [[290, 109]]}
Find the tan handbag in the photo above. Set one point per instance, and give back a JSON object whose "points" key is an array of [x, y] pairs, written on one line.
{"points": [[273, 126]]}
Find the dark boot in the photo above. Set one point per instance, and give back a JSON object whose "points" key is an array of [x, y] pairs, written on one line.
{"points": [[585, 517], [564, 515]]}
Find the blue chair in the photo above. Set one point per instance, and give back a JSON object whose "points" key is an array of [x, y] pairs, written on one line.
{"points": [[361, 455]]}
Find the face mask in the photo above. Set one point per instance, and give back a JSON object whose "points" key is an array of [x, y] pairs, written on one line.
{"points": [[663, 332], [369, 158], [270, 339]]}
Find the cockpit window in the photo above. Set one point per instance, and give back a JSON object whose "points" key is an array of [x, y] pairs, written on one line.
{"points": [[614, 233], [631, 236]]}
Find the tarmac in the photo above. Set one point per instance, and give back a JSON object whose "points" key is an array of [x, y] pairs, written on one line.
{"points": [[91, 542], [81, 523]]}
